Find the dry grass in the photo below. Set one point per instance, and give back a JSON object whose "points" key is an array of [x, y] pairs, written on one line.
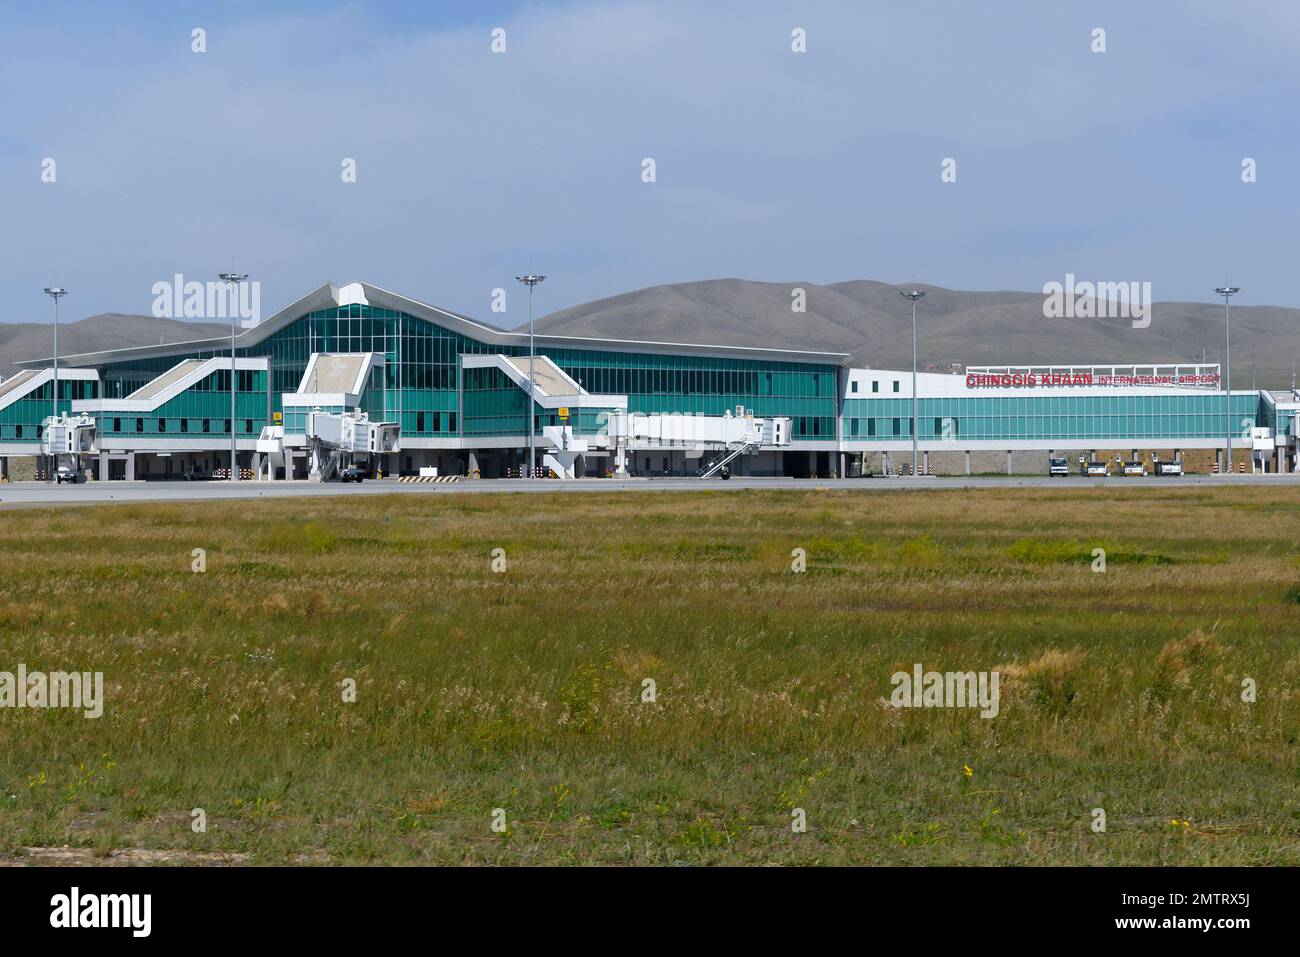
{"points": [[525, 690]]}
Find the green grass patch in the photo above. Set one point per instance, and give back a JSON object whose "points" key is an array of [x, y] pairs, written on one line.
{"points": [[651, 680]]}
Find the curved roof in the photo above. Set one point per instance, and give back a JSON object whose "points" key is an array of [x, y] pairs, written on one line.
{"points": [[329, 295]]}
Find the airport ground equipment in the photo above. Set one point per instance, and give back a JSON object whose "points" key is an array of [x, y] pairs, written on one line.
{"points": [[1173, 467], [64, 441], [342, 443], [729, 435]]}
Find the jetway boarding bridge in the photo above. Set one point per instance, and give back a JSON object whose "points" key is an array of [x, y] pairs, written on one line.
{"points": [[326, 421], [609, 429]]}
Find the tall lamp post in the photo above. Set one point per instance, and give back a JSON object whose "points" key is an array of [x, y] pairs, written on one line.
{"points": [[1227, 292], [234, 279], [530, 281], [914, 295], [56, 293]]}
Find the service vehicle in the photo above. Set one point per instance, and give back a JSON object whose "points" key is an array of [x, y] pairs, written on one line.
{"points": [[1173, 467]]}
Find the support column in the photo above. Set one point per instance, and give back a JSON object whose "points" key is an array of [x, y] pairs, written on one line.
{"points": [[1008, 461], [968, 461], [472, 465], [843, 473], [130, 466], [103, 466], [4, 468], [925, 463]]}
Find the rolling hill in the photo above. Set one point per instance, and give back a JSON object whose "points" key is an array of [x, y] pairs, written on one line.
{"points": [[20, 341], [872, 322]]}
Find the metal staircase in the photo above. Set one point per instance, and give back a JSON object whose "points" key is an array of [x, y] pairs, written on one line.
{"points": [[746, 449]]}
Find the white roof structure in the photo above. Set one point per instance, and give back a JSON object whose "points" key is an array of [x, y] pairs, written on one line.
{"points": [[167, 386], [27, 381], [339, 372], [552, 387]]}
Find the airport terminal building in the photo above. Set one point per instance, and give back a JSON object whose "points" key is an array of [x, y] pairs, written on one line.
{"points": [[356, 377]]}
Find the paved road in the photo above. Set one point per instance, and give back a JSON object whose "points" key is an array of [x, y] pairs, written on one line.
{"points": [[42, 493]]}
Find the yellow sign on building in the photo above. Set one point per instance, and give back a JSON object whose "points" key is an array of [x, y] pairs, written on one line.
{"points": [[564, 412]]}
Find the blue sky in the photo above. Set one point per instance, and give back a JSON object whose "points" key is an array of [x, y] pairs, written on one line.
{"points": [[473, 166]]}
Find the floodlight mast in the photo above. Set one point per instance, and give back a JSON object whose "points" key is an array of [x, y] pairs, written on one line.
{"points": [[530, 280], [1227, 292], [56, 293], [914, 295], [234, 279]]}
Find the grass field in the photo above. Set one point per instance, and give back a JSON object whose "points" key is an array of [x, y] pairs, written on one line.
{"points": [[523, 689]]}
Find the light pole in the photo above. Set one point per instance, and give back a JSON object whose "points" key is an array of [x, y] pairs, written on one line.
{"points": [[56, 293], [1227, 292], [913, 294], [530, 281], [234, 279]]}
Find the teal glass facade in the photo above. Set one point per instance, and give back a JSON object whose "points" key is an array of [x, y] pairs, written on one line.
{"points": [[1280, 420], [295, 417], [493, 405], [422, 378], [202, 409], [708, 385], [23, 419], [1063, 418]]}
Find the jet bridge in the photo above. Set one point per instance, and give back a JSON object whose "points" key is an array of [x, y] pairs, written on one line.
{"points": [[555, 391], [68, 434], [66, 439], [728, 434], [326, 418], [612, 429], [337, 440]]}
